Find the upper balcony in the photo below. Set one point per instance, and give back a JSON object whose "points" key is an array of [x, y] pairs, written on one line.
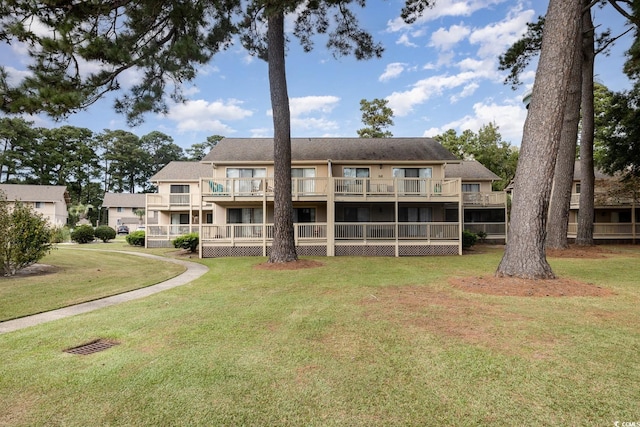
{"points": [[603, 198], [339, 189], [494, 198], [178, 201]]}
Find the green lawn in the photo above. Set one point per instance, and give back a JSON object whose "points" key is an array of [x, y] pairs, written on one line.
{"points": [[81, 275], [357, 342]]}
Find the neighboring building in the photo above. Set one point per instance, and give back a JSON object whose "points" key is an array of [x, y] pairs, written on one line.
{"points": [[351, 196], [49, 200], [617, 211], [177, 207], [121, 210], [485, 210]]}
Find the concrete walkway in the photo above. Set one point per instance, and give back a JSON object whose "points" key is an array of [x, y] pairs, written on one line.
{"points": [[194, 270]]}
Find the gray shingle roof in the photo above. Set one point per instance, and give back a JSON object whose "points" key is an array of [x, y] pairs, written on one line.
{"points": [[337, 149], [470, 169], [182, 171], [123, 200], [35, 193], [577, 172]]}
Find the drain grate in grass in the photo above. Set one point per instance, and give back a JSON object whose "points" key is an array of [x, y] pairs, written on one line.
{"points": [[92, 347]]}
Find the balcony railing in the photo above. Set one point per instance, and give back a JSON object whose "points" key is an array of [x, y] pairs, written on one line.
{"points": [[423, 187], [169, 232], [155, 200], [608, 230], [494, 198], [490, 228], [343, 231]]}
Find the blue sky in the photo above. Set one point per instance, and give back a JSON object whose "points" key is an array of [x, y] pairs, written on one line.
{"points": [[437, 74]]}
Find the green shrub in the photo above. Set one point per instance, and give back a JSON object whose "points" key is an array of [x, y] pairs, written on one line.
{"points": [[482, 236], [60, 234], [468, 239], [136, 238], [83, 234], [25, 237], [188, 241], [105, 233]]}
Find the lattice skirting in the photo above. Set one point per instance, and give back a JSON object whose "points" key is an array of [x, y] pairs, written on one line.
{"points": [[159, 244], [365, 250], [353, 250], [428, 250], [221, 251]]}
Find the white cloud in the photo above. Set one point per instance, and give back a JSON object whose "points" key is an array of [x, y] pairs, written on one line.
{"points": [[308, 104], [509, 118], [392, 71], [404, 40], [201, 115], [443, 8], [444, 39], [495, 38], [467, 91], [402, 102]]}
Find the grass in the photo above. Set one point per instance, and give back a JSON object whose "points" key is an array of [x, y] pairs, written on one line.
{"points": [[357, 342], [81, 276]]}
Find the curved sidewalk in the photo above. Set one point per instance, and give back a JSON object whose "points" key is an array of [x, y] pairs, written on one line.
{"points": [[194, 271]]}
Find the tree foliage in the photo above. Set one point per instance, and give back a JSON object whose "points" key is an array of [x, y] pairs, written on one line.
{"points": [[198, 150], [376, 116], [167, 44], [487, 147], [25, 237]]}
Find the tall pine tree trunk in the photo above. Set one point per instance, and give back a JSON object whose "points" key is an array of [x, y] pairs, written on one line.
{"points": [[283, 248], [525, 253], [560, 204], [584, 236]]}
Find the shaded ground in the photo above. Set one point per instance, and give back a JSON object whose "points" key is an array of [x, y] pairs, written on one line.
{"points": [[294, 265], [511, 286]]}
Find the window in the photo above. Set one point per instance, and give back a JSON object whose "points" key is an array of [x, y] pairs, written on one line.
{"points": [[412, 172], [179, 218], [302, 185], [355, 214], [38, 205], [470, 188], [356, 172], [244, 183], [244, 216], [304, 215], [578, 188], [414, 214], [119, 209], [410, 179], [179, 189]]}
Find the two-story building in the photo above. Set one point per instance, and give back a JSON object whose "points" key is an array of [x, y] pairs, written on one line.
{"points": [[616, 208], [177, 208], [351, 196], [125, 209], [49, 200], [484, 210]]}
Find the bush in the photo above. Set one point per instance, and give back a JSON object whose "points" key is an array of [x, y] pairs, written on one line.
{"points": [[83, 234], [482, 236], [25, 237], [468, 239], [60, 234], [136, 238], [105, 233], [188, 241]]}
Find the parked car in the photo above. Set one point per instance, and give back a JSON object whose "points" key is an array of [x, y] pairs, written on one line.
{"points": [[123, 229]]}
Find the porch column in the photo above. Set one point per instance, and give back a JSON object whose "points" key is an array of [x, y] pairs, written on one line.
{"points": [[331, 217]]}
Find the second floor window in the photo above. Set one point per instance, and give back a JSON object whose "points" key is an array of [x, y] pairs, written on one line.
{"points": [[179, 189], [356, 172], [470, 188], [38, 205]]}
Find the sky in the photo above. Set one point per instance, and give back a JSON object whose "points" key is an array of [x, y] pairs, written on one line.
{"points": [[437, 74]]}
